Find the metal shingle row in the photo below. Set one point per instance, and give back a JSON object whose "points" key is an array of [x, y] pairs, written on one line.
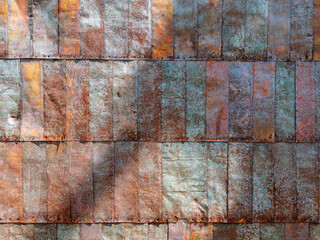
{"points": [[221, 29]]}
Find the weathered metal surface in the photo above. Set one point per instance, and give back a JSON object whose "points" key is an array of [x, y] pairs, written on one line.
{"points": [[45, 28], [217, 181], [81, 182], [185, 28], [116, 28], [149, 101], [240, 100], [77, 97], [126, 182], [179, 230], [272, 231], [307, 182], [240, 182], [301, 39], [103, 178], [184, 181], [305, 102], [217, 100], [100, 80], [10, 106], [256, 30], [11, 182], [45, 231], [200, 231], [263, 102], [209, 28], [296, 231], [32, 119], [317, 100], [285, 102], [58, 174], [173, 101], [248, 231], [233, 29], [162, 29], [150, 189], [316, 31], [68, 231], [92, 28], [279, 30], [125, 104], [263, 183], [4, 13], [285, 194], [55, 89], [34, 182], [69, 28], [140, 29], [195, 100]]}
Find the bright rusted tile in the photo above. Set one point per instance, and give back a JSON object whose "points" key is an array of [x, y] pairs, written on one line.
{"points": [[69, 28], [103, 178], [150, 194], [201, 231], [301, 39], [81, 182], [116, 28], [162, 28], [263, 101], [4, 14], [32, 121], [68, 231], [55, 89], [307, 182], [248, 231], [217, 97], [240, 182], [157, 231], [279, 30], [58, 174], [45, 231], [296, 231], [34, 180], [316, 31], [195, 100], [233, 29], [45, 28], [240, 100], [77, 109], [90, 232], [305, 102], [10, 182], [263, 183], [285, 184], [92, 28], [126, 181], [217, 181], [224, 231], [185, 28], [179, 230], [21, 231], [149, 101], [125, 101], [256, 30], [209, 28], [100, 101], [140, 27], [20, 28], [285, 102], [272, 231], [317, 100], [10, 100], [173, 101], [184, 181]]}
